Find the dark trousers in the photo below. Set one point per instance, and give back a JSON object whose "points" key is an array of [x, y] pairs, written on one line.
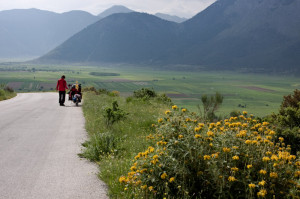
{"points": [[62, 97]]}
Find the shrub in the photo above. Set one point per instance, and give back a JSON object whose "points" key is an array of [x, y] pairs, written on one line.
{"points": [[92, 89], [102, 91], [2, 93], [288, 120], [114, 114], [8, 89], [100, 144], [114, 93], [210, 105], [163, 98], [233, 158], [144, 93]]}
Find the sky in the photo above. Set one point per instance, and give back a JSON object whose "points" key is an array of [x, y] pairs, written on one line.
{"points": [[181, 8]]}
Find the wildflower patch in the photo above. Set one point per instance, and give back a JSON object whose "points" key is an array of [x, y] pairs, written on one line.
{"points": [[234, 158]]}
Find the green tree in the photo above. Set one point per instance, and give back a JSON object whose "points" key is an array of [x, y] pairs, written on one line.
{"points": [[288, 120], [210, 105]]}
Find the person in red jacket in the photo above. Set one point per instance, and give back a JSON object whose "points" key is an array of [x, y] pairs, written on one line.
{"points": [[61, 87]]}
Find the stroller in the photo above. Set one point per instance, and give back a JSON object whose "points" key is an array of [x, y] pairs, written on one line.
{"points": [[75, 94]]}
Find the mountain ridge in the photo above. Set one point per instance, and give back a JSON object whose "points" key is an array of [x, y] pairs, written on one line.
{"points": [[257, 35]]}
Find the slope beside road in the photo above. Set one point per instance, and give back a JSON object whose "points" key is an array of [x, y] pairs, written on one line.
{"points": [[39, 143]]}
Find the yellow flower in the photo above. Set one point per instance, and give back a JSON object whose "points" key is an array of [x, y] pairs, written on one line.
{"points": [[297, 174], [262, 193], [273, 175], [274, 157], [150, 188], [234, 169], [211, 144], [122, 179], [167, 112], [201, 124], [197, 136], [206, 157], [265, 159], [163, 176], [197, 129], [272, 133], [174, 107], [172, 179], [245, 113], [151, 149], [249, 166], [215, 155], [263, 172], [269, 137], [265, 123], [125, 189], [235, 147], [133, 168], [180, 136], [251, 186], [262, 183], [155, 157], [281, 139], [235, 157], [210, 133], [292, 157], [248, 142], [268, 153], [254, 142], [160, 120], [144, 187], [231, 178], [183, 110], [226, 150]]}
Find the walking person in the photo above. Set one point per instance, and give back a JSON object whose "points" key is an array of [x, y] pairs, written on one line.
{"points": [[61, 87]]}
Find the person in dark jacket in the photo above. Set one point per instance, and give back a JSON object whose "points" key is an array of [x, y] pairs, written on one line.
{"points": [[61, 87]]}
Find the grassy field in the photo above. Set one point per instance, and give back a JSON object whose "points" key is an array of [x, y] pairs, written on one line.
{"points": [[255, 93], [114, 147]]}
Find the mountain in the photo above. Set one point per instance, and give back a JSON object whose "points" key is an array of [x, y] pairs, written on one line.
{"points": [[122, 9], [257, 34], [240, 33], [132, 38], [170, 17], [33, 32], [113, 10]]}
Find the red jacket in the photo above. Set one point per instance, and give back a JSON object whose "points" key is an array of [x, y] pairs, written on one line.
{"points": [[61, 85]]}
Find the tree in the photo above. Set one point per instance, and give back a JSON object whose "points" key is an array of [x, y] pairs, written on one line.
{"points": [[288, 120], [210, 105]]}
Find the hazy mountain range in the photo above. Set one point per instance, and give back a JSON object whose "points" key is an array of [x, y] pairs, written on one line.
{"points": [[32, 32], [262, 34]]}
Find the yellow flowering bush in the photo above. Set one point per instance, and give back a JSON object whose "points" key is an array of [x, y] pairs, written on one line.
{"points": [[234, 158]]}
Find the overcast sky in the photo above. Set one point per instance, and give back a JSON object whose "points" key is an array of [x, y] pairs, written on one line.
{"points": [[182, 8]]}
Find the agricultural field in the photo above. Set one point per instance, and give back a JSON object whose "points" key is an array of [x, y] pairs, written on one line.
{"points": [[256, 93]]}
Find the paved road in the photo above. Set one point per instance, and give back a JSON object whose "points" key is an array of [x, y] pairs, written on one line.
{"points": [[39, 143]]}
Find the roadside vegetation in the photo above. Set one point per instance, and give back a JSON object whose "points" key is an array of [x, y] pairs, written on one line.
{"points": [[118, 128], [154, 149], [6, 92]]}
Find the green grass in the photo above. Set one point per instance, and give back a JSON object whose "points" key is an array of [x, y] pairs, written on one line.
{"points": [[129, 135], [6, 94], [259, 94]]}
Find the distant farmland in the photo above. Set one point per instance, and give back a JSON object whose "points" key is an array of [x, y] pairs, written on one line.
{"points": [[258, 94]]}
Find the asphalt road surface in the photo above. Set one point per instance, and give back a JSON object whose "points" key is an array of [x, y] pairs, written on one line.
{"points": [[39, 143]]}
